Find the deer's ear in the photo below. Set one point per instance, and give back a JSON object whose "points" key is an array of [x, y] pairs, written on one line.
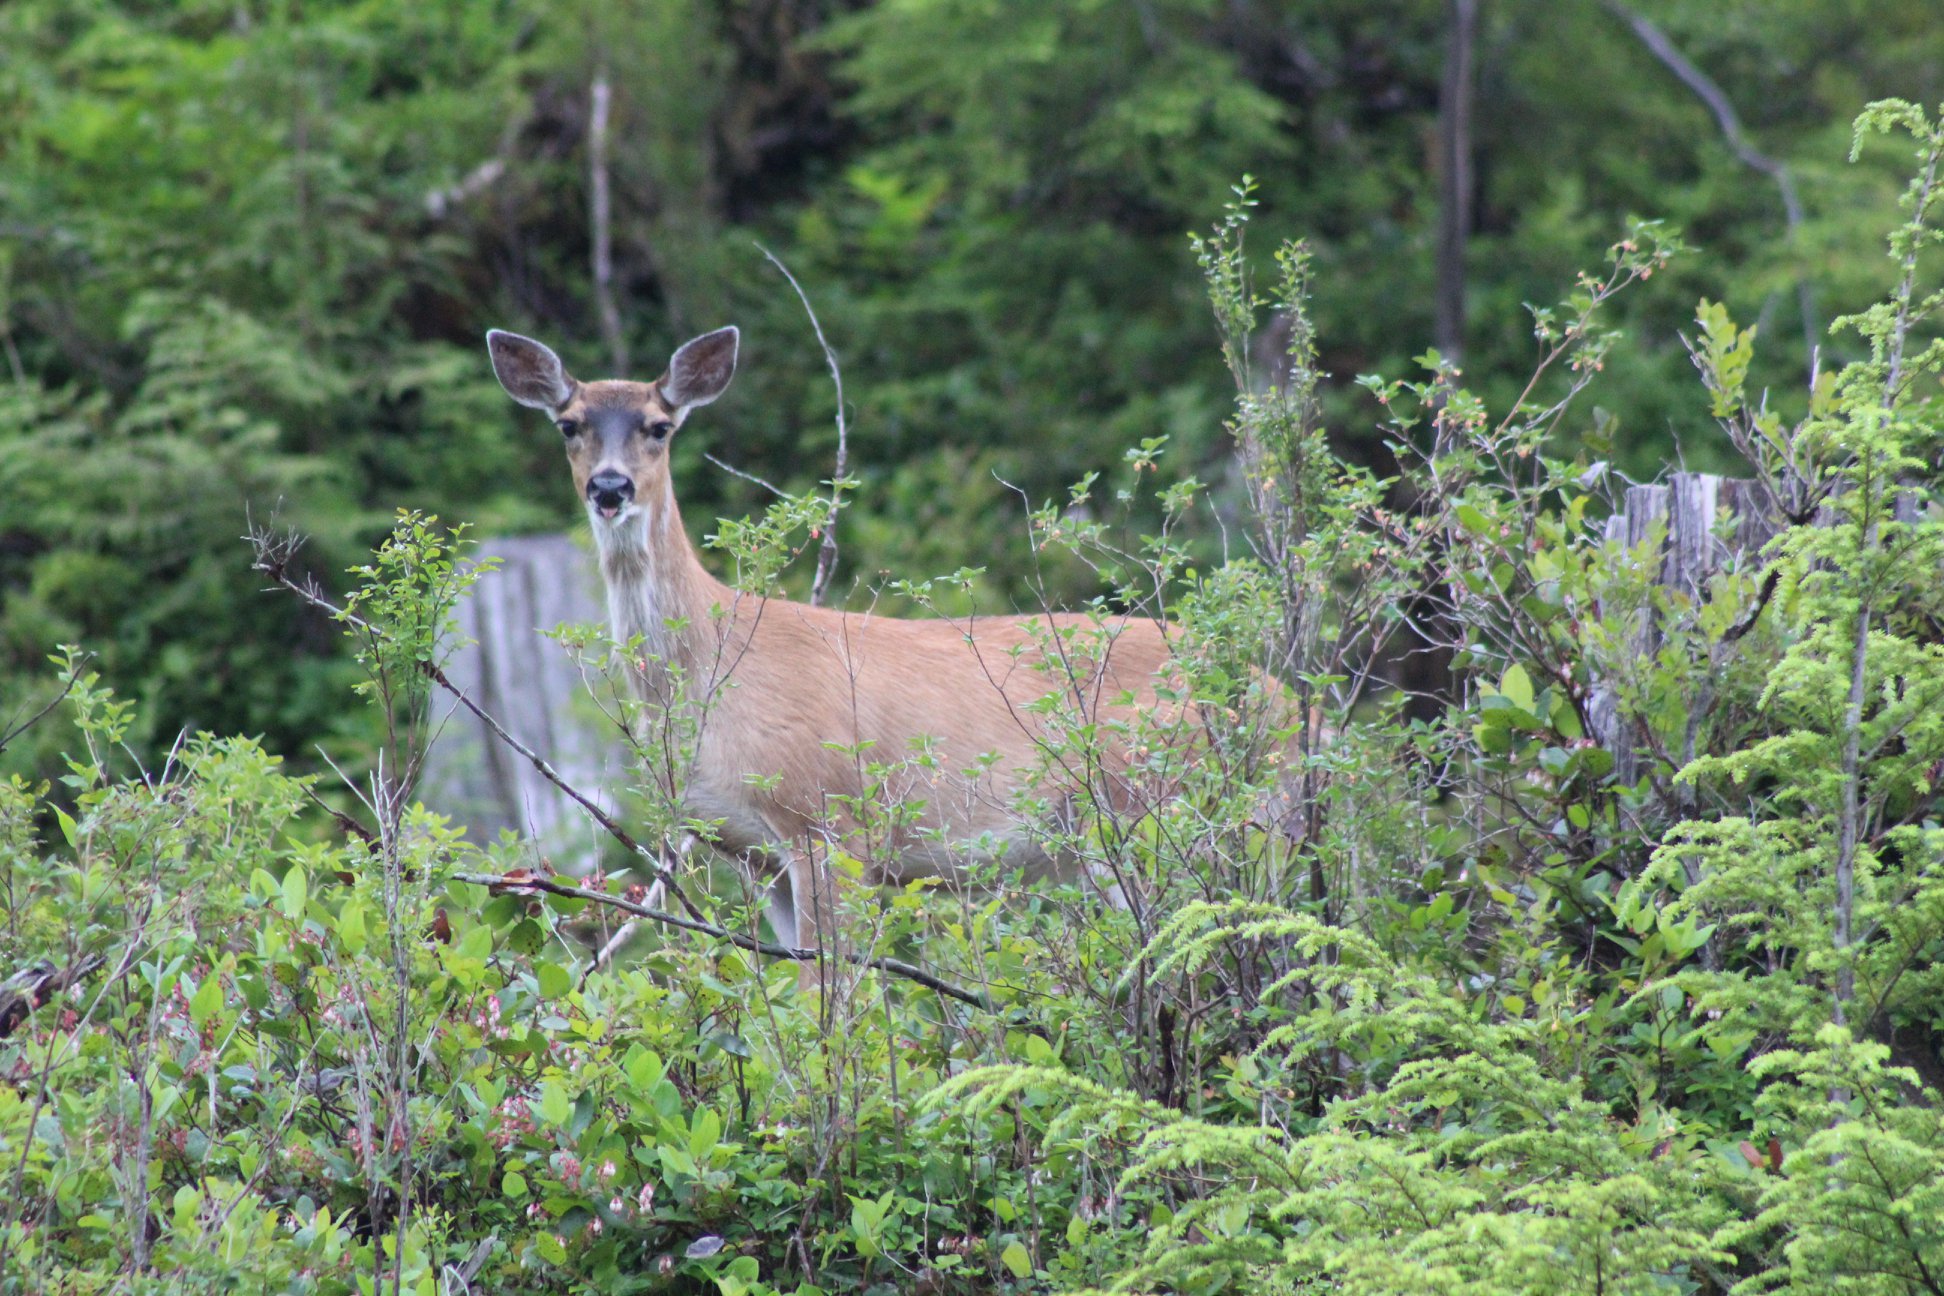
{"points": [[531, 373], [700, 371]]}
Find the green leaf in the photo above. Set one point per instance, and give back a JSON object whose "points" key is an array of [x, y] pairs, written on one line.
{"points": [[296, 892], [555, 1105], [514, 1185], [207, 999], [1015, 1258], [1517, 685], [68, 830], [644, 1068], [351, 926], [554, 980]]}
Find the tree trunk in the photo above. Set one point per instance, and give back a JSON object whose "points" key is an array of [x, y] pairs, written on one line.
{"points": [[1455, 167]]}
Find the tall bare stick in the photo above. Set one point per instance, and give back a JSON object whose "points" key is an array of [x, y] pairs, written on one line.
{"points": [[598, 200], [827, 552], [1455, 188]]}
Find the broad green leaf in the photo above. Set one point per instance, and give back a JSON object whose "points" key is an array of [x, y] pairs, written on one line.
{"points": [[555, 1105], [207, 999], [1476, 522], [1517, 685], [351, 926], [296, 892], [554, 979]]}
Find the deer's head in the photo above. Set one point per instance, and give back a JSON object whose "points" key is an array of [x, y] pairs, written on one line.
{"points": [[617, 433]]}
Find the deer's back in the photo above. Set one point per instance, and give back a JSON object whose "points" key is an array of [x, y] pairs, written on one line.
{"points": [[954, 712]]}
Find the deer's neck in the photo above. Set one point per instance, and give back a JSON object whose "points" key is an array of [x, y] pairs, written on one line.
{"points": [[657, 591]]}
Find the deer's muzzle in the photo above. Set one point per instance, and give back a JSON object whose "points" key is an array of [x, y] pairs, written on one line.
{"points": [[609, 492]]}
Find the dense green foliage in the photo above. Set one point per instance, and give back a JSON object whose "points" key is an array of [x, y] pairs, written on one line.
{"points": [[248, 253]]}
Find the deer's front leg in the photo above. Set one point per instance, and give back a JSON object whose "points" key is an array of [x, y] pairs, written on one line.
{"points": [[813, 908], [798, 899]]}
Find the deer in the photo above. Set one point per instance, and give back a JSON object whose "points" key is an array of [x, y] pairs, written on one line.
{"points": [[786, 695]]}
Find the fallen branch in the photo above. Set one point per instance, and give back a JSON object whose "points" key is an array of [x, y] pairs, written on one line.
{"points": [[272, 561], [518, 882]]}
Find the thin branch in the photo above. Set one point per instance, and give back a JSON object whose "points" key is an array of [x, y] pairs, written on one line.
{"points": [[270, 561], [827, 552], [607, 952], [344, 821], [440, 201], [516, 882], [1738, 142], [600, 213], [1754, 613], [67, 687], [751, 477]]}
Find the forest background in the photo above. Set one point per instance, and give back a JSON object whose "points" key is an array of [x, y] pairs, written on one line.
{"points": [[248, 253]]}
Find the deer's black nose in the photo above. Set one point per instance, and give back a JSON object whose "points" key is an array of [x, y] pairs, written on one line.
{"points": [[608, 491]]}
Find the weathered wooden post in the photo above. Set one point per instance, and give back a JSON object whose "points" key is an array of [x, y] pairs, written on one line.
{"points": [[531, 685], [1695, 545]]}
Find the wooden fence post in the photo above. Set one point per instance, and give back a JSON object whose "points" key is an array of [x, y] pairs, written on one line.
{"points": [[532, 686], [1694, 546]]}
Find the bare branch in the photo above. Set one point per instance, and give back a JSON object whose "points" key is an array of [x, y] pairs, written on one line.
{"points": [[1455, 182], [439, 201], [1717, 101], [827, 552], [734, 471], [606, 953], [67, 687], [517, 882]]}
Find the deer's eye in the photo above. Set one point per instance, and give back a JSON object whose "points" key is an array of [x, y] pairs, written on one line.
{"points": [[568, 426], [660, 431]]}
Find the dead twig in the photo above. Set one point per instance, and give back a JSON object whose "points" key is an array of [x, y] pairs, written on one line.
{"points": [[605, 954], [827, 552], [1736, 138], [750, 477]]}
